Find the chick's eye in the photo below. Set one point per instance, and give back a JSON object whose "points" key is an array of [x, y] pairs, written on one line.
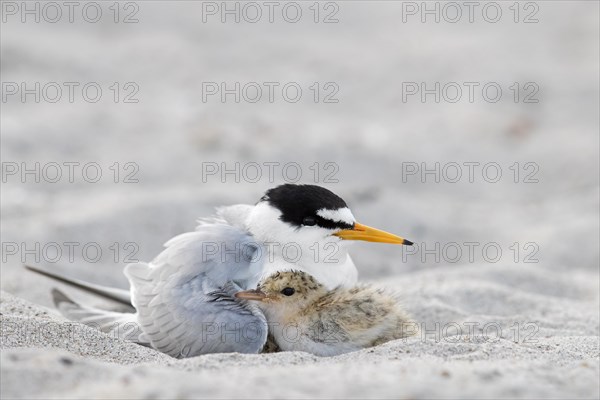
{"points": [[309, 221], [288, 291]]}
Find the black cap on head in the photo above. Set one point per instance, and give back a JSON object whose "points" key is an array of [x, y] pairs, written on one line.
{"points": [[299, 205]]}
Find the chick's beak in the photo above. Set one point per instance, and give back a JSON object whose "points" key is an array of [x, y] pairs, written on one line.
{"points": [[368, 234], [255, 294]]}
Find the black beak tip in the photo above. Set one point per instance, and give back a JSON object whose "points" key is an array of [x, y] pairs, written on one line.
{"points": [[407, 243]]}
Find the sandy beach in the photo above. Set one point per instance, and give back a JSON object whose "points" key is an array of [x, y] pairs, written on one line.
{"points": [[45, 356], [504, 275]]}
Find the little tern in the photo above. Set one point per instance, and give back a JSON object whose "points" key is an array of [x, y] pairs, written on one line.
{"points": [[304, 316], [184, 299]]}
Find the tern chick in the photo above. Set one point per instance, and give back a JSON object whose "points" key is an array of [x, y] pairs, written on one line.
{"points": [[304, 316]]}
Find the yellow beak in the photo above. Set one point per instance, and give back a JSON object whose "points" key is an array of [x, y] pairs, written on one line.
{"points": [[254, 294], [368, 234]]}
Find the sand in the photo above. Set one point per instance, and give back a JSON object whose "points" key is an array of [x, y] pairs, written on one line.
{"points": [[45, 356], [524, 325]]}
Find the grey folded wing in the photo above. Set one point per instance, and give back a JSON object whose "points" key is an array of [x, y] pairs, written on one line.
{"points": [[195, 317], [185, 298]]}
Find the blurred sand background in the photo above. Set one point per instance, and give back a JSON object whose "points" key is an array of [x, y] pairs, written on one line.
{"points": [[368, 135]]}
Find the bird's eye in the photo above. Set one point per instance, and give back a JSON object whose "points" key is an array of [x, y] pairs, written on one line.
{"points": [[288, 291], [309, 221]]}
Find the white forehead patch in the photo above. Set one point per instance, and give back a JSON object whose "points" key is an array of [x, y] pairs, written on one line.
{"points": [[339, 215]]}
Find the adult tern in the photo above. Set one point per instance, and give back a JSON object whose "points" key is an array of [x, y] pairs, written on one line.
{"points": [[184, 299]]}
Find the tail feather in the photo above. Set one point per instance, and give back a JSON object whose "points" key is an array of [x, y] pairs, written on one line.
{"points": [[118, 295], [116, 324]]}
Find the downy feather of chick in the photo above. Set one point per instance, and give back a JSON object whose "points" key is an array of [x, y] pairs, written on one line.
{"points": [[304, 316]]}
